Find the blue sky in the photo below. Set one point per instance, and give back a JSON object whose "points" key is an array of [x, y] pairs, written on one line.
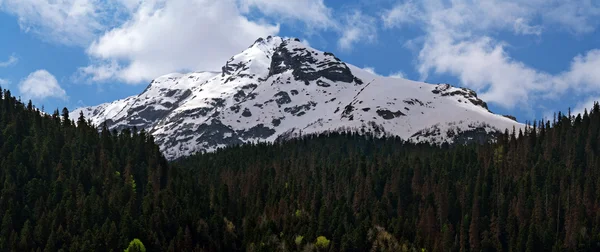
{"points": [[527, 58]]}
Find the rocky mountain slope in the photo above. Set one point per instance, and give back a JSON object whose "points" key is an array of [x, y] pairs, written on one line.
{"points": [[280, 88]]}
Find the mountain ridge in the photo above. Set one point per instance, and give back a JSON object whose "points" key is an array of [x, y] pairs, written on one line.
{"points": [[279, 88]]}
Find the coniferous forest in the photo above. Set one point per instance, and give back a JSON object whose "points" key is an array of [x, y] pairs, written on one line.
{"points": [[68, 187]]}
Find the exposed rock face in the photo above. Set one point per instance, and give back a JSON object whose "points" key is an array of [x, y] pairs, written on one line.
{"points": [[279, 88], [467, 94], [386, 114], [510, 117], [309, 65]]}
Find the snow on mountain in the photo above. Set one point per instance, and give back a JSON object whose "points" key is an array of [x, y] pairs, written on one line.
{"points": [[280, 88]]}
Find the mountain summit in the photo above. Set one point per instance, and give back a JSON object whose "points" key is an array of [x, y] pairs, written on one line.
{"points": [[280, 88]]}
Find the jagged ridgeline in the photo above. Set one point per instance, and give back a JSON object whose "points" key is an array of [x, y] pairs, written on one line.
{"points": [[279, 88]]}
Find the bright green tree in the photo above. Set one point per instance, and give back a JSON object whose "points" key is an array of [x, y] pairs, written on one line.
{"points": [[298, 240], [136, 246], [322, 242]]}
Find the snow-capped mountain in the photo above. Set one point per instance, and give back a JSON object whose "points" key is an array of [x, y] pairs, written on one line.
{"points": [[280, 88]]}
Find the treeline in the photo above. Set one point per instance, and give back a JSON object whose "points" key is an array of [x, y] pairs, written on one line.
{"points": [[533, 190], [72, 188], [68, 188]]}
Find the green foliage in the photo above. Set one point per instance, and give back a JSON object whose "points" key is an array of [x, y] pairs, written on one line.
{"points": [[61, 185], [498, 154], [298, 240], [322, 242], [136, 246], [471, 197], [133, 185]]}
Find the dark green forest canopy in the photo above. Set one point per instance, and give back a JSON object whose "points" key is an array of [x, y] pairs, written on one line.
{"points": [[73, 189]]}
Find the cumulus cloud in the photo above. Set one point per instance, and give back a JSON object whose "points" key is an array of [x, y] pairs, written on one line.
{"points": [[41, 85], [484, 65], [170, 36], [71, 22], [583, 74], [136, 40], [12, 60], [458, 40]]}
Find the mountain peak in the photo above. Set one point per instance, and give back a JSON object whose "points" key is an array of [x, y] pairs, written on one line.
{"points": [[279, 88], [270, 40], [275, 55]]}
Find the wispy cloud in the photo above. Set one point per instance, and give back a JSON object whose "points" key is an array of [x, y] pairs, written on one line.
{"points": [[314, 13], [12, 60], [357, 27], [398, 75], [522, 27], [369, 69]]}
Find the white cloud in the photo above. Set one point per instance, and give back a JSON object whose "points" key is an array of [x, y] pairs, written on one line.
{"points": [[404, 13], [521, 27], [461, 17], [4, 82], [305, 42], [484, 65], [12, 60], [585, 105], [458, 41], [314, 13], [584, 74], [353, 25], [357, 27], [163, 37], [137, 40], [398, 75], [578, 16], [370, 70], [72, 22], [40, 85], [129, 4], [99, 71]]}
